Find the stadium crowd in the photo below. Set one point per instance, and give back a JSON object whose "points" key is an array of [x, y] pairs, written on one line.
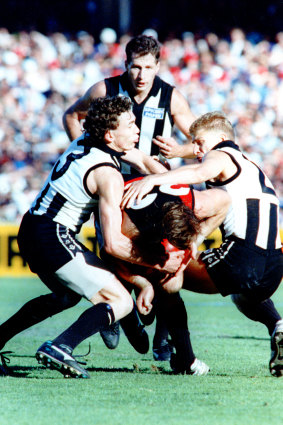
{"points": [[40, 76]]}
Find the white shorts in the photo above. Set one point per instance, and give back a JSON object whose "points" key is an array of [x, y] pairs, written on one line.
{"points": [[85, 274]]}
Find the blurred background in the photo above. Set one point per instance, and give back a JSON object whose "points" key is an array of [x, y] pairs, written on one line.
{"points": [[222, 55]]}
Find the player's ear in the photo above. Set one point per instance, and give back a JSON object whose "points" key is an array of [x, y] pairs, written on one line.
{"points": [[223, 137], [108, 137]]}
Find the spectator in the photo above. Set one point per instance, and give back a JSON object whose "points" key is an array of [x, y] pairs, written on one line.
{"points": [[41, 75]]}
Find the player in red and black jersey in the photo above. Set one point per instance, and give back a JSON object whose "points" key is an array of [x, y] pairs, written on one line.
{"points": [[170, 217]]}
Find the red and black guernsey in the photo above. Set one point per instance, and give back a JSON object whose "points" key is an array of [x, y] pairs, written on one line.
{"points": [[148, 211]]}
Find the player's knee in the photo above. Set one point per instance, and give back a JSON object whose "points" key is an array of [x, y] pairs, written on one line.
{"points": [[67, 300], [172, 287], [126, 303]]}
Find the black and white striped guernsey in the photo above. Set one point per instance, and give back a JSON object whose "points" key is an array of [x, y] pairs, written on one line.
{"points": [[65, 198], [254, 214], [153, 115]]}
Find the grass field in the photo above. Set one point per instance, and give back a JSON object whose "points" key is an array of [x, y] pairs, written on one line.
{"points": [[130, 389]]}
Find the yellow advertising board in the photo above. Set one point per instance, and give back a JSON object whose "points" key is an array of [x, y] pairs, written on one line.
{"points": [[12, 263]]}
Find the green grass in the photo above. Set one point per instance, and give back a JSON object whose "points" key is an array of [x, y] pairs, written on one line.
{"points": [[130, 389]]}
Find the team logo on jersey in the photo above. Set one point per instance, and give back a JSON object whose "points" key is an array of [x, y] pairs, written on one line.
{"points": [[156, 113]]}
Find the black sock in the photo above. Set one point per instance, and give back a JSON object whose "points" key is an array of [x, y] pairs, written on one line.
{"points": [[173, 311], [33, 312], [90, 322], [161, 331], [131, 322], [263, 312]]}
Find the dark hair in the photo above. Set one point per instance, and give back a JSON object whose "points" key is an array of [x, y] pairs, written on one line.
{"points": [[142, 45], [103, 114], [176, 222]]}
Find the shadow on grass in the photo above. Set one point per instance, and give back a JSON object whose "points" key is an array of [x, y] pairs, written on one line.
{"points": [[19, 372], [254, 338], [31, 372], [134, 369]]}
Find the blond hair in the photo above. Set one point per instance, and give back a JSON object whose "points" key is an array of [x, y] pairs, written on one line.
{"points": [[213, 121]]}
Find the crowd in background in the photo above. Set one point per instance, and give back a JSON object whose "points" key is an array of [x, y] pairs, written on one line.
{"points": [[40, 76]]}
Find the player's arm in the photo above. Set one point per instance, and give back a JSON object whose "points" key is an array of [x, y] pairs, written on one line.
{"points": [[211, 207], [78, 111], [183, 118], [109, 185], [144, 163], [131, 273], [212, 166]]}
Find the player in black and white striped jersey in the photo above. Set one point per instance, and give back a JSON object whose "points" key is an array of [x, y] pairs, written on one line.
{"points": [[248, 264], [157, 106], [86, 174]]}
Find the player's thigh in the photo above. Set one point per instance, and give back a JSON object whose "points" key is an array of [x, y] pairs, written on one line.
{"points": [[197, 279], [85, 274]]}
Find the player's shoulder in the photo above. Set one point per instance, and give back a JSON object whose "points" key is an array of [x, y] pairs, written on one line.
{"points": [[108, 179], [97, 90], [163, 82]]}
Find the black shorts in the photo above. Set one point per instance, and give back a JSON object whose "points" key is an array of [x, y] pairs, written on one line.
{"points": [[41, 241], [238, 269], [53, 252]]}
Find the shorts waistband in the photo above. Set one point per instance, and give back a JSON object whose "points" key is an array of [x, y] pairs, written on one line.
{"points": [[259, 250]]}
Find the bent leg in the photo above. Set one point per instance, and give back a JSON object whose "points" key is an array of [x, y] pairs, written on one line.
{"points": [[197, 279], [258, 311], [39, 309], [171, 311], [111, 303]]}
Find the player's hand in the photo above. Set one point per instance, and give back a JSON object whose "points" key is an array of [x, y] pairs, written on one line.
{"points": [[144, 300], [136, 191], [168, 147]]}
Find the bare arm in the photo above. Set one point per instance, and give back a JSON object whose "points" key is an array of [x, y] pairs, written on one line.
{"points": [[183, 118], [211, 167], [211, 207], [75, 113], [109, 185], [145, 164]]}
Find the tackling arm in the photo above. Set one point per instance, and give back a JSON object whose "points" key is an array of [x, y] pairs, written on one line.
{"points": [[211, 207], [210, 168], [109, 185], [145, 164]]}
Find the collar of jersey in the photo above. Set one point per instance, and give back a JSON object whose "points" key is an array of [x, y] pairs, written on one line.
{"points": [[226, 144], [103, 147], [127, 86]]}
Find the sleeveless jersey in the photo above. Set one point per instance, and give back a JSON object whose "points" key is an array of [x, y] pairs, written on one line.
{"points": [[254, 213], [149, 208], [153, 115], [65, 198]]}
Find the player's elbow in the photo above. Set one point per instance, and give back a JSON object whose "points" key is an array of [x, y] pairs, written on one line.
{"points": [[173, 286], [66, 118], [201, 175], [112, 248]]}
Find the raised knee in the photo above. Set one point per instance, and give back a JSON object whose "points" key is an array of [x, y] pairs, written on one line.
{"points": [[126, 303]]}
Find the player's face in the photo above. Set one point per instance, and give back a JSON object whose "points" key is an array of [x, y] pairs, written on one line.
{"points": [[126, 135], [204, 141], [142, 71]]}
